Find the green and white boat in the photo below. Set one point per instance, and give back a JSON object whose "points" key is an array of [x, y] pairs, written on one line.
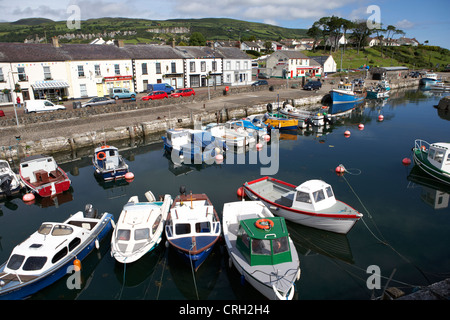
{"points": [[260, 248], [433, 158]]}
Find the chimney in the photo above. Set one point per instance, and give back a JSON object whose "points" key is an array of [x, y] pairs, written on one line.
{"points": [[119, 43], [173, 43], [55, 42]]}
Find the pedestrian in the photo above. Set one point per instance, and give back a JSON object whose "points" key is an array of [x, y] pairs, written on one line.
{"points": [[18, 102]]}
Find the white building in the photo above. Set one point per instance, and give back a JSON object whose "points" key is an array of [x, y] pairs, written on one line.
{"points": [[291, 64], [237, 67], [326, 62]]}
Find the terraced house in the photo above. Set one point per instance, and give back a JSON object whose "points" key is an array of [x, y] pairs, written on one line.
{"points": [[73, 71]]}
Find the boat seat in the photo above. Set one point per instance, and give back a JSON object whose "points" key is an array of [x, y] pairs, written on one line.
{"points": [[41, 176], [286, 199]]}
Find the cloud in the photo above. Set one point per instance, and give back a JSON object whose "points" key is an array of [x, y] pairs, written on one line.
{"points": [[405, 24]]}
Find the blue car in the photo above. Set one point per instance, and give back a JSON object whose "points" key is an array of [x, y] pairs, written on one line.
{"points": [[121, 93]]}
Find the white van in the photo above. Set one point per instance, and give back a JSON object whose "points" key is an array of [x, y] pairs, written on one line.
{"points": [[41, 106]]}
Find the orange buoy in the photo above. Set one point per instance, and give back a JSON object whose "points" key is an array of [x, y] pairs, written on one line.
{"points": [[406, 161], [129, 176], [28, 197], [264, 224], [77, 265], [240, 192], [347, 133], [101, 155]]}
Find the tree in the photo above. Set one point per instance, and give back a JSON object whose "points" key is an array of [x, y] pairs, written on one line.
{"points": [[315, 33], [197, 39], [360, 32]]}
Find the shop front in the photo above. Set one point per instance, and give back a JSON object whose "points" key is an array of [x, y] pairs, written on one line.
{"points": [[52, 90], [108, 83]]}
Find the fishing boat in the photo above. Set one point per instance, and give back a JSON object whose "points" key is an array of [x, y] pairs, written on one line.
{"points": [[231, 137], [192, 228], [139, 228], [52, 252], [109, 164], [9, 182], [342, 109], [348, 92], [439, 86], [260, 248], [192, 145], [42, 175], [254, 126], [433, 158], [314, 118], [377, 92], [312, 203], [429, 79]]}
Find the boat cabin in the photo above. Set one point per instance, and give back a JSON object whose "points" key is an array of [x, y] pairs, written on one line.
{"points": [[439, 155], [39, 169], [108, 157], [312, 195], [178, 137], [264, 241]]}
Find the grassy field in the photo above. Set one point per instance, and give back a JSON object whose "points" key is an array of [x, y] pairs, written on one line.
{"points": [[422, 57]]}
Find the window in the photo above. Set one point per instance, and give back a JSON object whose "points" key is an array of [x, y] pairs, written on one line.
{"points": [[228, 65], [98, 73], [203, 227], [59, 255], [117, 69], [123, 234], [34, 263], [182, 228], [80, 71], [244, 236], [303, 197], [261, 247], [156, 223], [280, 245], [15, 261], [144, 68], [2, 77], [74, 243], [318, 195], [214, 66], [173, 67], [83, 90], [192, 66], [439, 156], [45, 229], [22, 74], [47, 73], [158, 68], [238, 65], [329, 192], [61, 230], [203, 66], [142, 234]]}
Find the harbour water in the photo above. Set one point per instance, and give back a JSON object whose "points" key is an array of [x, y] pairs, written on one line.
{"points": [[404, 231]]}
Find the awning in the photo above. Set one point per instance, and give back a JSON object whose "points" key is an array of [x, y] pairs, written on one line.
{"points": [[51, 84]]}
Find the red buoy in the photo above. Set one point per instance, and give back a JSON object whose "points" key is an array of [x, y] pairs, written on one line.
{"points": [[380, 117], [240, 192], [361, 126], [406, 161], [347, 133], [129, 176], [340, 169]]}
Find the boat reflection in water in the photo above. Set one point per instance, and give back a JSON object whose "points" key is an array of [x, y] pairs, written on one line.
{"points": [[434, 193]]}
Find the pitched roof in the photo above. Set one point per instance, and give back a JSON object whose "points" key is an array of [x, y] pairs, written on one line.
{"points": [[232, 53], [293, 54], [149, 51], [193, 52]]}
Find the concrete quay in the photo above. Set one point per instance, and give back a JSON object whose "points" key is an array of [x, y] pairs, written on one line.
{"points": [[70, 130]]}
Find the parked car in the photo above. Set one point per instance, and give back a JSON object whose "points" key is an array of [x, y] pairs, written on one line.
{"points": [[2, 114], [121, 93], [155, 95], [98, 101], [312, 85], [167, 88], [186, 92], [263, 75], [260, 83], [32, 106]]}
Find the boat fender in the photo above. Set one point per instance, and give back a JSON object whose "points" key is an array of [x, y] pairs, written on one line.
{"points": [[97, 244], [269, 108], [264, 224], [101, 155], [77, 265], [230, 262]]}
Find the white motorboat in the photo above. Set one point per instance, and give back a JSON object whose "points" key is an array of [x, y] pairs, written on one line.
{"points": [[229, 136], [9, 182], [139, 228], [312, 203], [260, 248]]}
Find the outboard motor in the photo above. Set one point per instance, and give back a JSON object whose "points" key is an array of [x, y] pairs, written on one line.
{"points": [[89, 211], [182, 190], [5, 185]]}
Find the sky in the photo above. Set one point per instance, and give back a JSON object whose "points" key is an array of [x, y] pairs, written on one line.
{"points": [[425, 20]]}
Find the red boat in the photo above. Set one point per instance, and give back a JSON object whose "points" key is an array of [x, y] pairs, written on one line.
{"points": [[42, 175]]}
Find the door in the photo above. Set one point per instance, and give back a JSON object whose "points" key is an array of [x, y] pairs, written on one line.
{"points": [[100, 92]]}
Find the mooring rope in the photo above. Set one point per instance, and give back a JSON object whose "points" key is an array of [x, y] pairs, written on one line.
{"points": [[192, 270]]}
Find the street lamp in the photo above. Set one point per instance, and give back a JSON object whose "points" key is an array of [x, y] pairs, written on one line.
{"points": [[12, 90]]}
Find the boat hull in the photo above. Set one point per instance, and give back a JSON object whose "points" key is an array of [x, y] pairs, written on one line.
{"points": [[420, 159], [283, 124], [28, 288], [339, 96], [49, 189], [198, 257]]}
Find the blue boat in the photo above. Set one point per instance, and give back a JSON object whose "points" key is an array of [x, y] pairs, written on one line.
{"points": [[429, 79], [192, 228], [192, 146], [347, 92], [109, 164], [340, 109], [52, 252]]}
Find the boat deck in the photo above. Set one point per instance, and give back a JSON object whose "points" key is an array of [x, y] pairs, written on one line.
{"points": [[44, 177], [8, 277]]}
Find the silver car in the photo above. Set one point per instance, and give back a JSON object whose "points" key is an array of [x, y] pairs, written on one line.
{"points": [[98, 101]]}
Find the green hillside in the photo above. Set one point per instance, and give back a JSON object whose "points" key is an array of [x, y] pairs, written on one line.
{"points": [[137, 30]]}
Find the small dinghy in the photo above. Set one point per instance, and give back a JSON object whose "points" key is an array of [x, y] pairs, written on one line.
{"points": [[109, 164], [139, 228]]}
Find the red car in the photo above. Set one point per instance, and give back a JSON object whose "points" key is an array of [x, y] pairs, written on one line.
{"points": [[155, 95], [2, 114], [186, 92]]}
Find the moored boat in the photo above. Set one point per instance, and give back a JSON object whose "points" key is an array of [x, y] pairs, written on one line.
{"points": [[312, 203], [441, 86], [49, 253], [433, 158], [139, 228], [109, 164], [315, 118], [192, 228], [43, 176], [429, 79], [9, 182], [348, 92], [259, 246]]}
